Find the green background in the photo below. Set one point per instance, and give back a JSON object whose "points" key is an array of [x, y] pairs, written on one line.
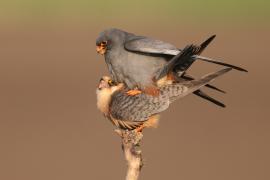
{"points": [[207, 10]]}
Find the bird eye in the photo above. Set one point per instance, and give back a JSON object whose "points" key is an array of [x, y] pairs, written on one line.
{"points": [[110, 82], [104, 43]]}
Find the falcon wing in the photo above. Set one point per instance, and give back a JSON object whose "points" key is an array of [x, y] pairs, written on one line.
{"points": [[146, 45], [152, 46], [183, 59], [136, 108], [187, 60]]}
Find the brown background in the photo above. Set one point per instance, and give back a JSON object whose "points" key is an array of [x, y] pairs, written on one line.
{"points": [[50, 127]]}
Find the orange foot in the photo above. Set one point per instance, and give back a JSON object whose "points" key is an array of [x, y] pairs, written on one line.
{"points": [[133, 92]]}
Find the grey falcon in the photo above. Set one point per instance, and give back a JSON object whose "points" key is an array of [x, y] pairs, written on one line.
{"points": [[135, 60], [182, 61], [142, 110]]}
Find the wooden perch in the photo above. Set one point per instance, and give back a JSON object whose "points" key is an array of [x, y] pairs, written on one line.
{"points": [[133, 154]]}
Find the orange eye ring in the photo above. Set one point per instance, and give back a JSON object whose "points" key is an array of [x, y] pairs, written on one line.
{"points": [[101, 47]]}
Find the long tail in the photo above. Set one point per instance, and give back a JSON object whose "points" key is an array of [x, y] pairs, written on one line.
{"points": [[189, 78], [202, 94], [182, 89], [206, 59], [197, 84]]}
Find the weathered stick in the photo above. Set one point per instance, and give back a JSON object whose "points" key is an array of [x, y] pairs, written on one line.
{"points": [[133, 154]]}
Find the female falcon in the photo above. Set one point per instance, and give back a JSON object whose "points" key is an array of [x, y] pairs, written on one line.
{"points": [[142, 110]]}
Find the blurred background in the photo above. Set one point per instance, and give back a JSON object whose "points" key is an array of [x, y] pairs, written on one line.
{"points": [[49, 69]]}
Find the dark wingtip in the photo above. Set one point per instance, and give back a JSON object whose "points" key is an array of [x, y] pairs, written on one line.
{"points": [[222, 105], [206, 97], [239, 69], [215, 88], [222, 63], [206, 43], [243, 70], [235, 67]]}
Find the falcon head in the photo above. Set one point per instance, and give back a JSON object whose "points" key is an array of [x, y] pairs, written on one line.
{"points": [[109, 39], [106, 83], [105, 90]]}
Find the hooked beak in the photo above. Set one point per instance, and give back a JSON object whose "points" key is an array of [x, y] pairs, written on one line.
{"points": [[102, 84], [101, 49]]}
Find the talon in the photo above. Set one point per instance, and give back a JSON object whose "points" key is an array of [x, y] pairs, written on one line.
{"points": [[133, 92]]}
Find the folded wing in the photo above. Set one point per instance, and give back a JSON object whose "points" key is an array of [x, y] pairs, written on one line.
{"points": [[136, 108], [146, 45]]}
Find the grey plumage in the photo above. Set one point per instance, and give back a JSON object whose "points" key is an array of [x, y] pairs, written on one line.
{"points": [[147, 45], [134, 60], [137, 60]]}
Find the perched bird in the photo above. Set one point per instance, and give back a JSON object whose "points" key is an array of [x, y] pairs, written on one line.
{"points": [[135, 60], [142, 110]]}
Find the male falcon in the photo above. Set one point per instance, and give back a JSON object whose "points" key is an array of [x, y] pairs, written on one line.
{"points": [[135, 60], [142, 110]]}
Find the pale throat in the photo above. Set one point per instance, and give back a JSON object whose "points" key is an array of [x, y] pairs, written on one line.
{"points": [[104, 97], [103, 100]]}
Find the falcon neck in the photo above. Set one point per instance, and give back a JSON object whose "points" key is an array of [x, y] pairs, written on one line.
{"points": [[104, 97]]}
